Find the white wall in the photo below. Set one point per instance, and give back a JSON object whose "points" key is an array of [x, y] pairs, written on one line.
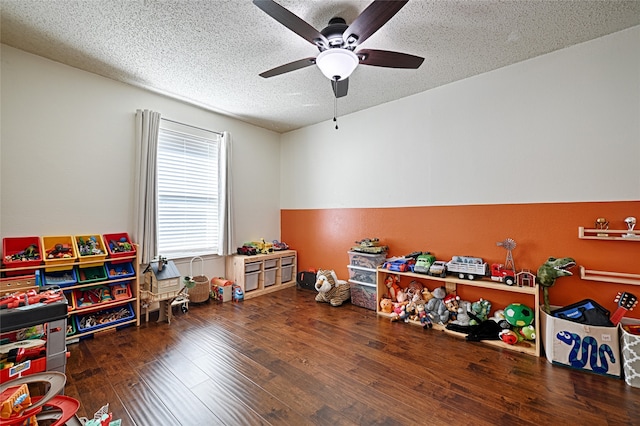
{"points": [[67, 154], [557, 128]]}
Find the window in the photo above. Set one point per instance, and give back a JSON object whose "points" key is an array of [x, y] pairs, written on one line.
{"points": [[188, 201]]}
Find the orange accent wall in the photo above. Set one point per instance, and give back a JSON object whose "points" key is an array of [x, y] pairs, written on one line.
{"points": [[322, 238]]}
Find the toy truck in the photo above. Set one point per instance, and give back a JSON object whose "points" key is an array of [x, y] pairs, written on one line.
{"points": [[468, 267], [499, 273], [423, 263]]}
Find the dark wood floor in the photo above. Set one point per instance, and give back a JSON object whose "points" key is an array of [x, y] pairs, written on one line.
{"points": [[283, 359]]}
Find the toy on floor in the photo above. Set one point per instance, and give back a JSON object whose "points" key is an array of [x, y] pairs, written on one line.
{"points": [[549, 271], [330, 289]]}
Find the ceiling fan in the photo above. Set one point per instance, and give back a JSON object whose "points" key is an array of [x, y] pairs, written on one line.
{"points": [[337, 42]]}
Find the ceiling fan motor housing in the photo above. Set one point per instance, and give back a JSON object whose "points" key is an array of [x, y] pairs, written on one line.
{"points": [[333, 32]]}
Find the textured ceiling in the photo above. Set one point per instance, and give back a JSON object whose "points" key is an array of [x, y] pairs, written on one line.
{"points": [[210, 53]]}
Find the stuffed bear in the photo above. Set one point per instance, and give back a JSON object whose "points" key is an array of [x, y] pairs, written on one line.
{"points": [[330, 289], [436, 308]]}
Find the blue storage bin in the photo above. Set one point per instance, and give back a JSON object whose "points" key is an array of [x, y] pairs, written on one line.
{"points": [[96, 318], [60, 278], [120, 270]]}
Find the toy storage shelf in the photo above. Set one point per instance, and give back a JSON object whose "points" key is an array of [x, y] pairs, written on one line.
{"points": [[611, 234], [450, 283], [243, 270], [134, 300]]}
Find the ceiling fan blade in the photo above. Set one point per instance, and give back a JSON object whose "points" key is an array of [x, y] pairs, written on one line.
{"points": [[389, 59], [340, 87], [292, 21], [291, 66], [370, 20]]}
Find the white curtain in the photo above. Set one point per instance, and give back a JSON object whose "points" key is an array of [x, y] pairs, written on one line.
{"points": [[225, 218], [146, 186]]}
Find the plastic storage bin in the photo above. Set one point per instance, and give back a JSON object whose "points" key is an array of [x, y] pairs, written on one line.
{"points": [[119, 270], [269, 277], [268, 264], [87, 258], [117, 245], [251, 267], [12, 246], [362, 275], [251, 280], [91, 274], [105, 318], [363, 296], [60, 278], [287, 273], [366, 260], [55, 246], [288, 260]]}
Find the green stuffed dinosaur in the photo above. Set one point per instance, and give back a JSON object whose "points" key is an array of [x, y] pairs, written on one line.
{"points": [[550, 270]]}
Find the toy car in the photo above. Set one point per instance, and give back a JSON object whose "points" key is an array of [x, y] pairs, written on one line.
{"points": [[247, 250], [438, 269]]}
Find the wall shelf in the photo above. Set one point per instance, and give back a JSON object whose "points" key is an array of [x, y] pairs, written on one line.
{"points": [[611, 234], [609, 277]]}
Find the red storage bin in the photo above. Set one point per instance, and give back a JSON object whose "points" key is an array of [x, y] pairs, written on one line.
{"points": [[14, 245], [117, 245]]}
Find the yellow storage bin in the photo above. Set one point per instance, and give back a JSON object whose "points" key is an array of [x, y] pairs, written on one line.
{"points": [[59, 250], [91, 250]]}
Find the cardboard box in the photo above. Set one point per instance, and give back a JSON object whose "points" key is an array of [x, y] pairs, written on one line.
{"points": [[225, 288], [564, 344]]}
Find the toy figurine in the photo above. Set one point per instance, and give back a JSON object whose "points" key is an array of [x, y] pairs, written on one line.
{"points": [[549, 271], [238, 295]]}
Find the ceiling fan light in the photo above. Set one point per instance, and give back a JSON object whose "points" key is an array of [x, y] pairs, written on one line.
{"points": [[337, 62]]}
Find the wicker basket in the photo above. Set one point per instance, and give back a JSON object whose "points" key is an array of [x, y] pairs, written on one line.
{"points": [[201, 291]]}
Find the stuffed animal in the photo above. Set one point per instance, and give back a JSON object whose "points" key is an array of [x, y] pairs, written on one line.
{"points": [[393, 287], [480, 311], [451, 301], [330, 289], [462, 316], [386, 305], [436, 308], [423, 317]]}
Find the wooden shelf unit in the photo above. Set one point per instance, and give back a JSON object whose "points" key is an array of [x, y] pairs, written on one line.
{"points": [[612, 234], [133, 300], [606, 276], [237, 267], [450, 283]]}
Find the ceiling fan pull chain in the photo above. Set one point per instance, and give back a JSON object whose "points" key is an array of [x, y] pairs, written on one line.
{"points": [[335, 102]]}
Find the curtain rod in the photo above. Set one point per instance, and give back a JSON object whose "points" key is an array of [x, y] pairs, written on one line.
{"points": [[189, 125]]}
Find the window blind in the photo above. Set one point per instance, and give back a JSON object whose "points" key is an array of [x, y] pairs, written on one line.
{"points": [[187, 193]]}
